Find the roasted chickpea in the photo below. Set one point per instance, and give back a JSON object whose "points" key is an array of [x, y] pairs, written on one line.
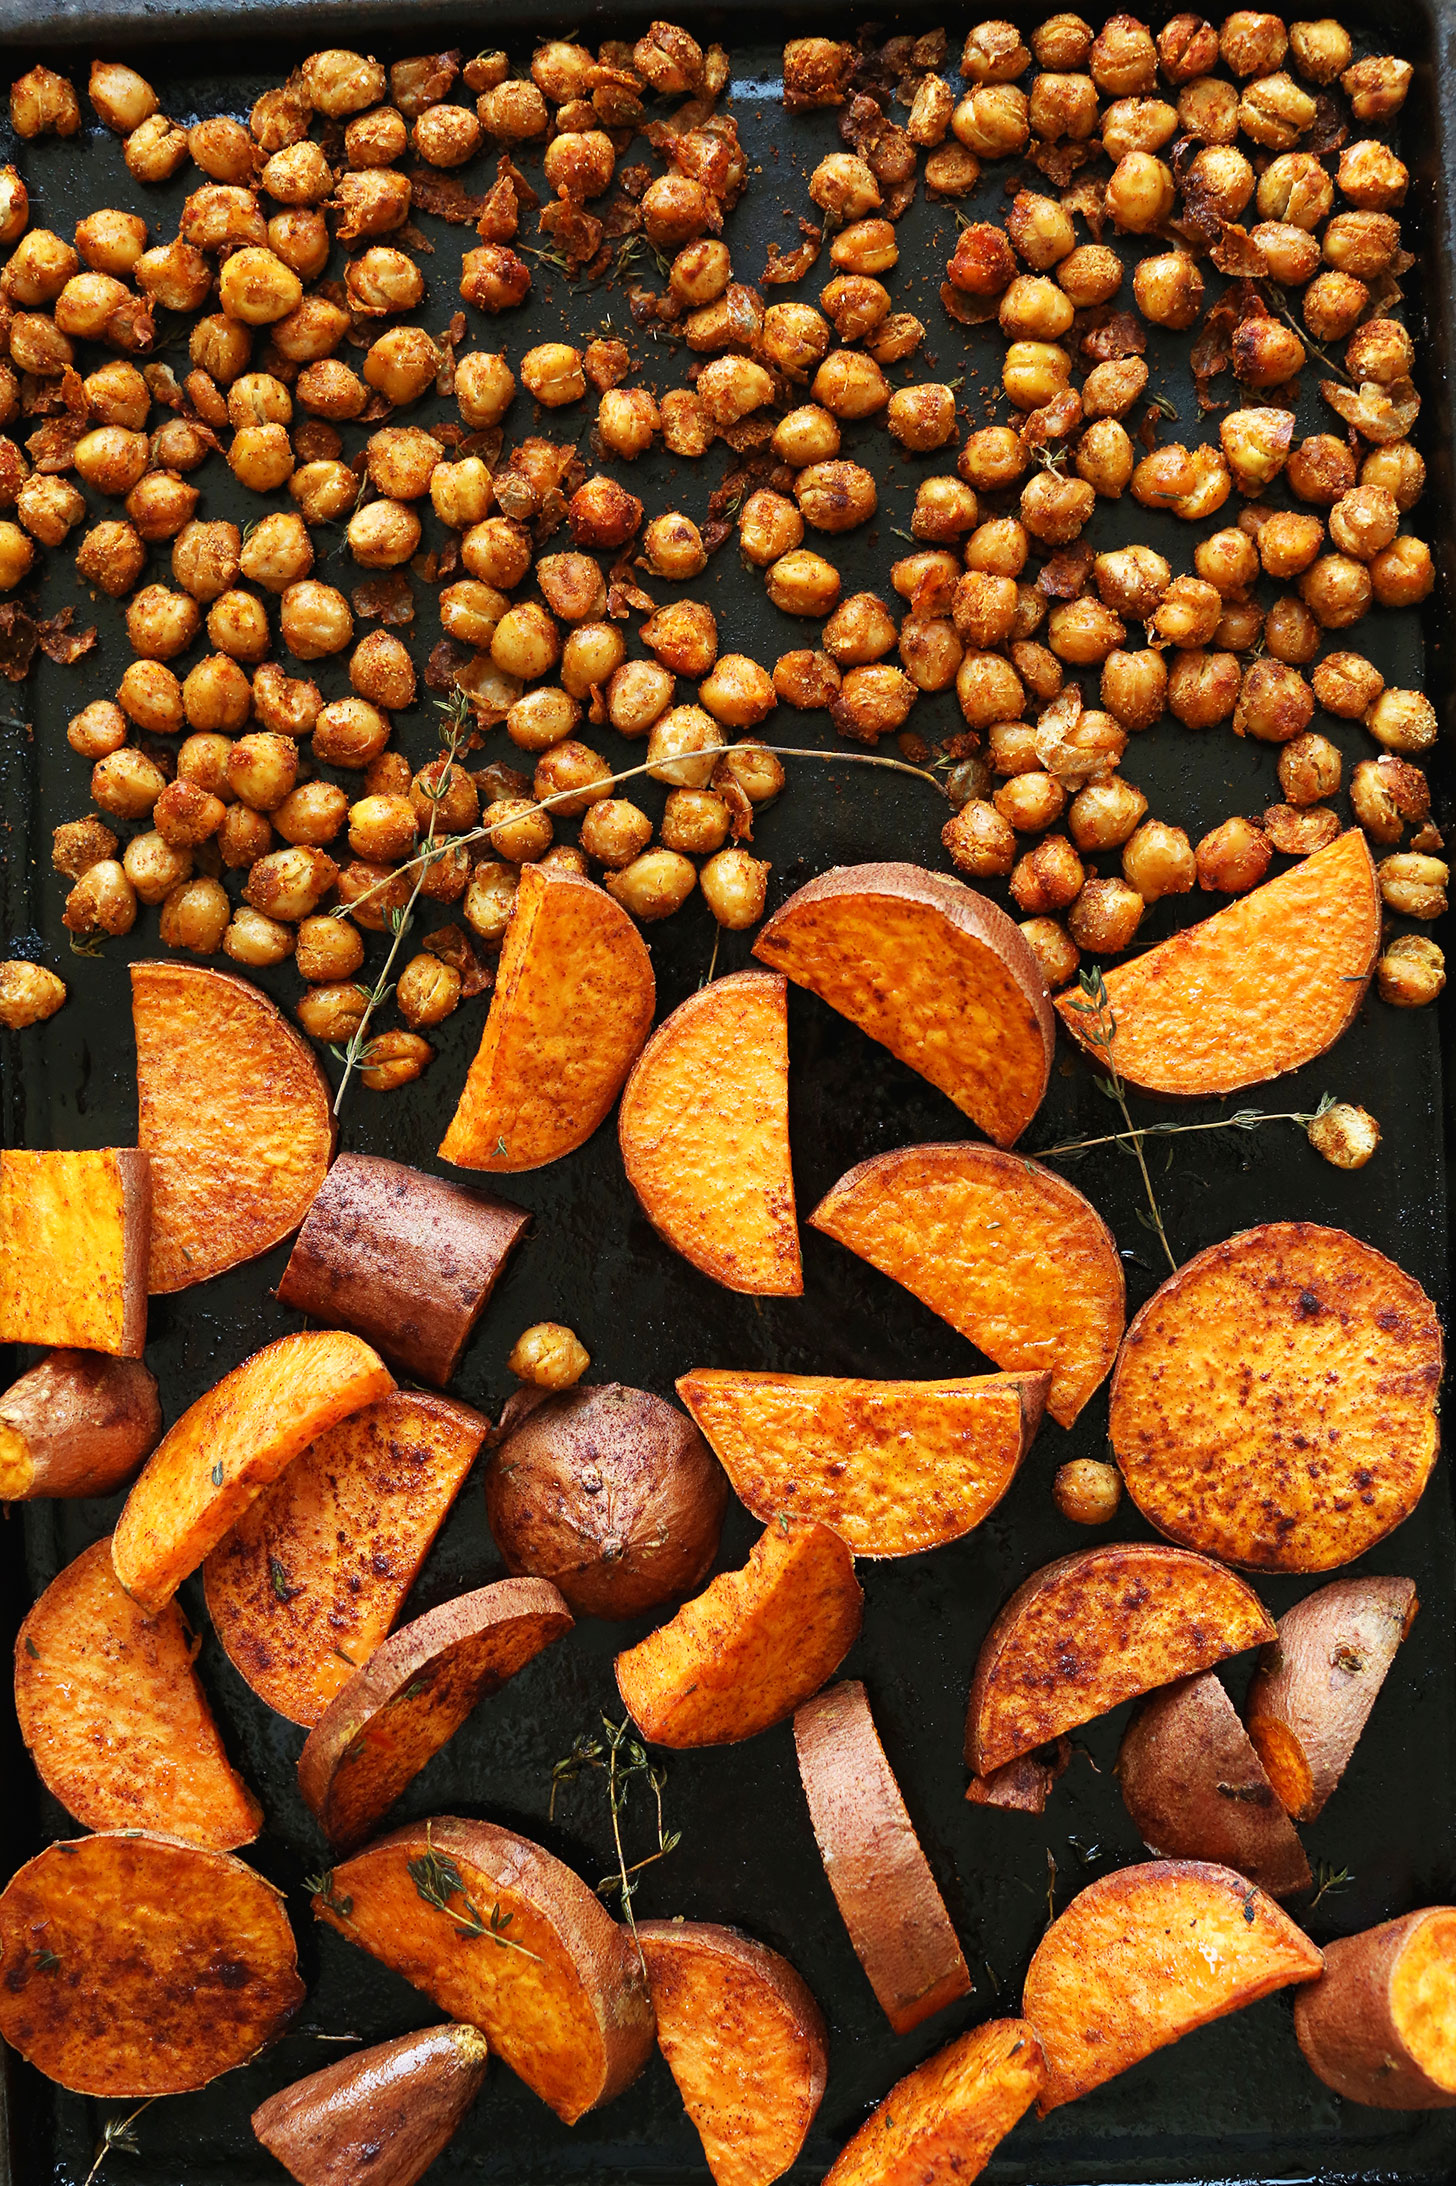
{"points": [[602, 515], [29, 993], [768, 526], [847, 384], [243, 836], [1105, 917], [700, 273], [734, 886], [638, 693], [315, 620], [195, 917], [1134, 687], [126, 783], [1057, 955], [1402, 721], [1111, 389], [333, 1011], [1233, 857], [217, 697], [591, 656], [155, 866], [1333, 304], [155, 149], [1169, 289], [1376, 88], [616, 831], [1412, 972], [1087, 1491], [1031, 801], [1158, 861], [380, 670], [549, 1355], [1048, 877], [1401, 575], [1034, 373], [1310, 768], [484, 387], [1411, 884], [628, 421], [313, 813], [654, 885], [980, 840], [1104, 458], [803, 583], [517, 832], [1399, 469], [122, 98], [1138, 125], [1337, 589], [103, 901], [1140, 195]]}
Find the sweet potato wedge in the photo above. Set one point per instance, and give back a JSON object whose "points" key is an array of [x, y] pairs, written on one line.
{"points": [[235, 1114], [935, 973], [379, 2117], [1379, 2026], [1262, 987], [1006, 1251], [132, 1964], [743, 1654], [1024, 1785], [229, 1446], [1275, 1401], [744, 2040], [74, 1233], [572, 1006], [314, 1573], [882, 1884], [892, 1467], [408, 1261], [414, 1694], [1095, 1628], [942, 2123], [1197, 1790], [114, 1716], [77, 1424], [1313, 1689], [505, 1937], [1144, 1956]]}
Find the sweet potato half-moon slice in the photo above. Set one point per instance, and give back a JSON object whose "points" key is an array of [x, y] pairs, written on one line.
{"points": [[1006, 1251], [704, 1130], [1379, 2026], [1312, 1693], [1275, 1401], [573, 1003], [1197, 1790], [235, 1114], [935, 973], [502, 1935], [132, 1964], [1095, 1628], [379, 2117], [744, 2040], [941, 2124], [893, 1467], [79, 1423], [1146, 1955], [1262, 987], [74, 1231]]}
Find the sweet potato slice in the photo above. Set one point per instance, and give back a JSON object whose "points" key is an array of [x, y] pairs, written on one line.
{"points": [[892, 1466], [1275, 1401], [744, 2040], [77, 1424], [942, 2123], [505, 1937], [1006, 1251], [408, 1261], [882, 1884], [235, 1113], [1379, 2026], [132, 1964], [74, 1231], [1095, 1628], [1313, 1689], [379, 2115], [704, 1130], [573, 1003], [229, 1446], [115, 1718], [413, 1696], [314, 1573], [1262, 987], [1197, 1790], [755, 1643], [1023, 1786]]}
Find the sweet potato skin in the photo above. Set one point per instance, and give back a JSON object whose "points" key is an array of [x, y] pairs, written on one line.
{"points": [[882, 1884], [942, 2123], [935, 973], [413, 1695], [106, 2003], [1024, 1785], [408, 1261], [745, 2041], [1354, 2024], [1147, 1954], [753, 1645], [573, 1002], [574, 2021], [308, 1582], [1095, 1628], [229, 1446], [1274, 1403], [235, 1114], [1196, 1788], [1313, 1689], [79, 1423], [380, 2116], [74, 1235], [892, 1467], [1263, 986], [1005, 1250]]}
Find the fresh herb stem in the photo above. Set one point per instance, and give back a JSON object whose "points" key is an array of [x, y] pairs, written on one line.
{"points": [[117, 2133], [437, 1880], [1246, 1119], [1329, 1879], [1100, 1034], [623, 1758]]}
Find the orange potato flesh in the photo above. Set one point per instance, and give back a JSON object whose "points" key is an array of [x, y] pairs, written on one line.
{"points": [[314, 1573], [704, 1129], [1144, 1956], [1275, 1401], [1423, 1999], [1379, 2027], [231, 1445], [573, 1003], [751, 1647], [892, 1467], [1261, 987], [941, 2124], [115, 1718], [235, 1114], [1007, 1252], [74, 1229]]}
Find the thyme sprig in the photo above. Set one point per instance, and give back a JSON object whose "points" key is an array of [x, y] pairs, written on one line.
{"points": [[1329, 1879], [1242, 1119], [623, 1758], [1100, 1034], [438, 1881], [117, 2133]]}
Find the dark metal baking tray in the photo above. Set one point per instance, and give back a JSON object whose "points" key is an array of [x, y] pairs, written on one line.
{"points": [[1232, 2103]]}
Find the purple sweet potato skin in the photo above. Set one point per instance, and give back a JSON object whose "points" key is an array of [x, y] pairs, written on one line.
{"points": [[379, 2117]]}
